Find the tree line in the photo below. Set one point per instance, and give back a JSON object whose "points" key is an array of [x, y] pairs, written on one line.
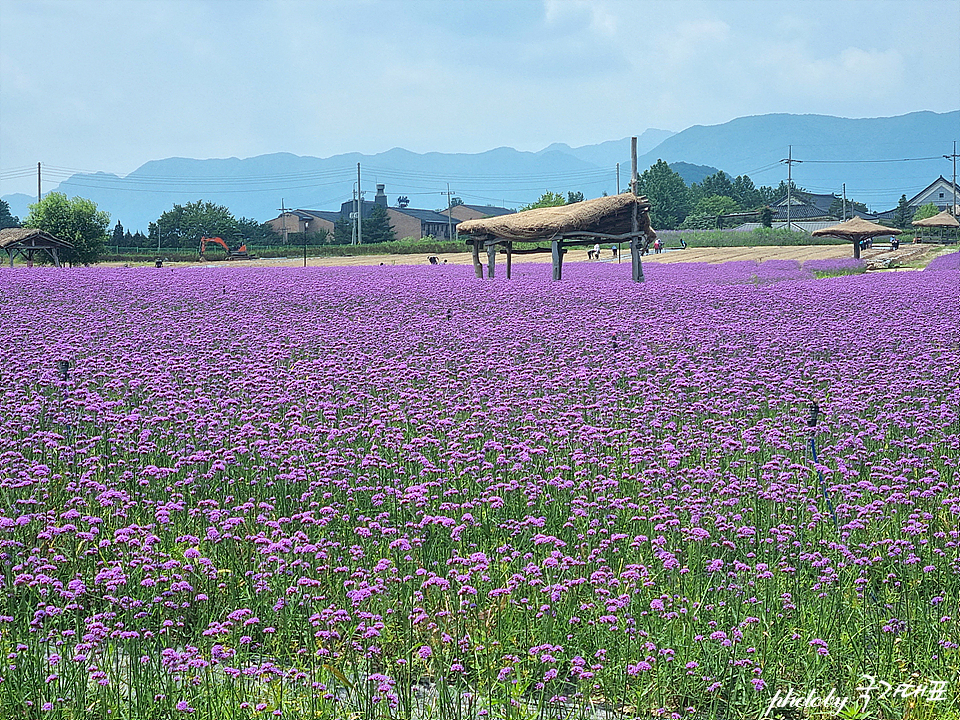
{"points": [[675, 205], [707, 204]]}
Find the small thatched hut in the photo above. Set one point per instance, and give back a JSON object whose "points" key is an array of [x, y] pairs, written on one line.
{"points": [[945, 221], [856, 230], [28, 241], [619, 218]]}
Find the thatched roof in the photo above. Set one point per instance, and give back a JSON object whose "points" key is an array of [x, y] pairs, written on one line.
{"points": [[944, 219], [608, 215], [15, 236], [856, 229]]}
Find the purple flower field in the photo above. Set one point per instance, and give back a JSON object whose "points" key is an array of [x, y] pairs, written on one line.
{"points": [[401, 492]]}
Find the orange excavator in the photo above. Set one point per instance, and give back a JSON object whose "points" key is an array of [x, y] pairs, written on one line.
{"points": [[239, 254]]}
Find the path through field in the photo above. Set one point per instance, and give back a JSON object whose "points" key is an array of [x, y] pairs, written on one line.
{"points": [[800, 253]]}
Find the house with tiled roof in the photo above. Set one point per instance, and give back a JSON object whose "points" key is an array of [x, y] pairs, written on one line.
{"points": [[406, 222], [476, 212], [804, 206], [298, 221]]}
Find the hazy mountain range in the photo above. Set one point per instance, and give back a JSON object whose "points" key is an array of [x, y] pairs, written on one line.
{"points": [[877, 158]]}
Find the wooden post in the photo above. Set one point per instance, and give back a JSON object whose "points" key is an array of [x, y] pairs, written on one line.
{"points": [[637, 265], [557, 260], [56, 256], [491, 259], [477, 267], [509, 256], [10, 255], [856, 248]]}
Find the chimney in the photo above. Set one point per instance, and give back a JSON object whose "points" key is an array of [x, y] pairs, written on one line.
{"points": [[380, 198]]}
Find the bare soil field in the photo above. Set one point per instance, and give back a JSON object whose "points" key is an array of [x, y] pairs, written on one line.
{"points": [[915, 255]]}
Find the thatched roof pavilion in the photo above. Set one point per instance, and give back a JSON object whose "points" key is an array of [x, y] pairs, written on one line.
{"points": [[943, 219], [940, 220], [617, 218], [28, 241], [856, 230]]}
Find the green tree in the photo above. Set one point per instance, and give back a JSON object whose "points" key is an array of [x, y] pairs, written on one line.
{"points": [[668, 195], [767, 195], [925, 211], [766, 217], [706, 214], [377, 227], [746, 193], [901, 218], [6, 219], [548, 199], [716, 205], [853, 207], [257, 233], [718, 184], [184, 225], [76, 220], [117, 239], [456, 201], [574, 197], [343, 231]]}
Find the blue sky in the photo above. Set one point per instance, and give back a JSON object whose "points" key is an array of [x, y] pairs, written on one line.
{"points": [[107, 85]]}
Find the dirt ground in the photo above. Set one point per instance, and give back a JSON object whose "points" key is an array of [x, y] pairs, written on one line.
{"points": [[912, 255]]}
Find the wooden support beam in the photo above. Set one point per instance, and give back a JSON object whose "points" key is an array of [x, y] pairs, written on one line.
{"points": [[509, 257], [635, 248], [557, 248], [477, 267], [530, 251], [491, 260]]}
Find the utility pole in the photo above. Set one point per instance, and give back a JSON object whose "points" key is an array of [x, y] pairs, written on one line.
{"points": [[636, 269], [359, 209], [283, 221], [954, 157], [306, 225], [38, 181], [449, 215], [789, 161], [353, 217], [844, 202], [158, 235], [618, 178]]}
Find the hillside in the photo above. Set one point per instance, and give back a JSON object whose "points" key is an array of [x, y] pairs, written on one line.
{"points": [[833, 151]]}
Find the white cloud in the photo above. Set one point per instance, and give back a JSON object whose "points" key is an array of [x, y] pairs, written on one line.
{"points": [[136, 80]]}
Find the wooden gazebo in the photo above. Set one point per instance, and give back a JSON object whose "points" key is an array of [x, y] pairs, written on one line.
{"points": [[856, 230], [941, 220], [27, 242], [618, 218]]}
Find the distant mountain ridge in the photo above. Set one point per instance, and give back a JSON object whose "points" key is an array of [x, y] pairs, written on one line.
{"points": [[833, 151]]}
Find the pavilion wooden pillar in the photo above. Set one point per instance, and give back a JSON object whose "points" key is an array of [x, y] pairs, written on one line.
{"points": [[557, 247], [856, 248], [491, 259], [477, 267], [509, 256], [636, 247]]}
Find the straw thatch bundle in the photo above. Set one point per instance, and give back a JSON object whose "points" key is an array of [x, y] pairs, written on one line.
{"points": [[608, 215], [855, 229], [944, 219]]}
